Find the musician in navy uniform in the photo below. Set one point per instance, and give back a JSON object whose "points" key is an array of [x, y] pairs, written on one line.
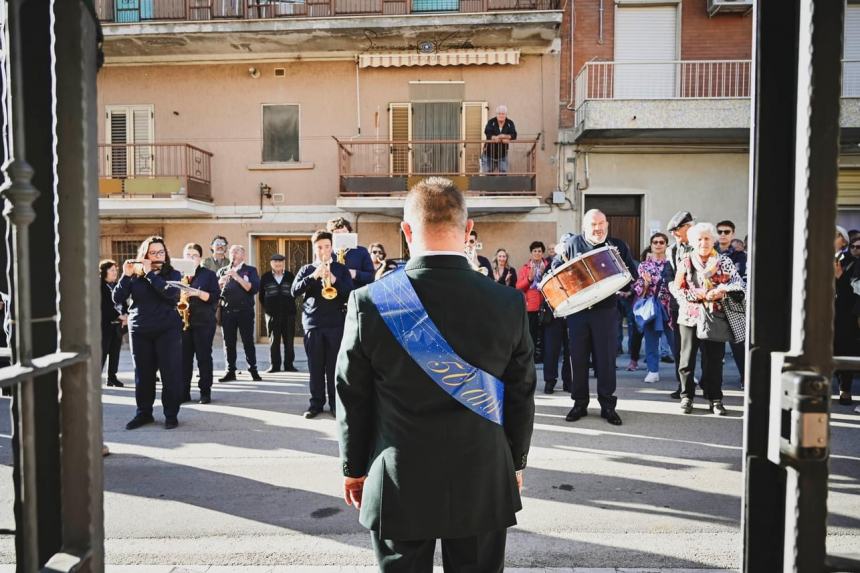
{"points": [[357, 260], [114, 318], [197, 339], [239, 283], [278, 302], [155, 328], [594, 330], [419, 462], [322, 318]]}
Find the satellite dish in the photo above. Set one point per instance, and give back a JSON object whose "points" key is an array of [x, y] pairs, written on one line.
{"points": [[426, 47]]}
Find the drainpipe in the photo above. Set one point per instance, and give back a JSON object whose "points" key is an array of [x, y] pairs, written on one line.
{"points": [[357, 98], [572, 70], [600, 36]]}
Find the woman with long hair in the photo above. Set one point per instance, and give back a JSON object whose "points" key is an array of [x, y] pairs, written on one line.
{"points": [[503, 272], [155, 330], [113, 321]]}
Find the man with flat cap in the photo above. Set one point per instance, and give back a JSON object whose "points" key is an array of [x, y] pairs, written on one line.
{"points": [[280, 308], [435, 392], [678, 226]]}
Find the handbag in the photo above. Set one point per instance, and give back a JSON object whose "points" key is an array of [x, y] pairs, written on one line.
{"points": [[735, 307], [645, 310], [713, 326]]}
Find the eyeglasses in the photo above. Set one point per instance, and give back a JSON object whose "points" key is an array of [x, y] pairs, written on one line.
{"points": [[378, 252], [156, 253], [658, 242], [855, 246], [219, 244], [471, 241], [724, 231]]}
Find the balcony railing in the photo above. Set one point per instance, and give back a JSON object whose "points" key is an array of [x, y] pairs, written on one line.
{"points": [[129, 11], [155, 169], [679, 79], [389, 167]]}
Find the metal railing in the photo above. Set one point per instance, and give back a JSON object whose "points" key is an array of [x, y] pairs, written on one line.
{"points": [[159, 160], [472, 159], [677, 79], [131, 11]]}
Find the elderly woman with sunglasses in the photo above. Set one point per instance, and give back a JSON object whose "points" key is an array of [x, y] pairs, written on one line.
{"points": [[655, 275], [703, 279]]}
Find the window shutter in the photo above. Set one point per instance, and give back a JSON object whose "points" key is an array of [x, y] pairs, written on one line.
{"points": [[851, 52], [118, 136], [474, 120], [143, 154], [128, 126], [649, 34], [400, 130]]}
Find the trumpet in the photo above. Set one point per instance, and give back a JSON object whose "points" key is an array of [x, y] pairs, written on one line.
{"points": [[183, 307], [328, 291], [472, 255]]}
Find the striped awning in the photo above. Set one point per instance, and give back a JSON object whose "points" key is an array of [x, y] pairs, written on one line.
{"points": [[446, 58]]}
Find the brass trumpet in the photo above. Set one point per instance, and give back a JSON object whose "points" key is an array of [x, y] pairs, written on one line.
{"points": [[328, 291]]}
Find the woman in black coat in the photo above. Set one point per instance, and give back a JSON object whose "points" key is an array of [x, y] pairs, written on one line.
{"points": [[155, 329], [113, 321], [846, 333]]}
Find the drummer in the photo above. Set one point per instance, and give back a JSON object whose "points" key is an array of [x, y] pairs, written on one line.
{"points": [[595, 329]]}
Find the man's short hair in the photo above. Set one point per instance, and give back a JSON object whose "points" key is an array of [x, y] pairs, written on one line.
{"points": [[339, 223], [591, 213], [502, 109], [537, 245], [194, 246], [435, 202], [219, 238], [319, 236], [237, 247], [726, 223]]}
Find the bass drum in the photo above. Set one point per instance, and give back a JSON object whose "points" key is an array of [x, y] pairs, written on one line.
{"points": [[584, 281]]}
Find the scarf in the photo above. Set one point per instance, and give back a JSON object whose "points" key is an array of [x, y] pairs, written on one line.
{"points": [[539, 268]]}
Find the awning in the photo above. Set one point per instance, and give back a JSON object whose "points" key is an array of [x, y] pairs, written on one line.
{"points": [[446, 58]]}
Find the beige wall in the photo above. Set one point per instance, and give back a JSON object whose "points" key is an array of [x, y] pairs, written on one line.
{"points": [[218, 108], [712, 186]]}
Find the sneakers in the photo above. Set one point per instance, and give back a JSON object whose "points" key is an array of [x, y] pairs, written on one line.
{"points": [[652, 377], [687, 406], [717, 408]]}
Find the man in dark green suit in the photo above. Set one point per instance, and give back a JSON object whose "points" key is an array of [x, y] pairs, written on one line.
{"points": [[419, 464]]}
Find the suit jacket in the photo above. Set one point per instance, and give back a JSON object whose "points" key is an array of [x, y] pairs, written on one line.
{"points": [[358, 260], [434, 468]]}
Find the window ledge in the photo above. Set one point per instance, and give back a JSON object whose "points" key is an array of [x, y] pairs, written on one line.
{"points": [[281, 166]]}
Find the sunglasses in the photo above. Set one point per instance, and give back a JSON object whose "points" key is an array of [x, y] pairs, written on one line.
{"points": [[724, 231], [378, 252], [658, 242], [855, 246]]}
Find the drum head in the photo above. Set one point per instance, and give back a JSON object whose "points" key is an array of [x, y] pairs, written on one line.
{"points": [[591, 295]]}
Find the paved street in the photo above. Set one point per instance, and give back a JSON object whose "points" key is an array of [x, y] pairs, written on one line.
{"points": [[246, 481]]}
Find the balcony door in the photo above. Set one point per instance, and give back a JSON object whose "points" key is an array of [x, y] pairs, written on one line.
{"points": [[298, 253], [129, 129], [645, 36], [132, 10], [436, 121]]}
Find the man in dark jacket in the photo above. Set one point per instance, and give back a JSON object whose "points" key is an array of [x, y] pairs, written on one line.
{"points": [[419, 462], [499, 131], [239, 283], [593, 331], [322, 318], [279, 305], [357, 260]]}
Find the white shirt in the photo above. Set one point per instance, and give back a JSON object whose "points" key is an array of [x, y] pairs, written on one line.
{"points": [[434, 253]]}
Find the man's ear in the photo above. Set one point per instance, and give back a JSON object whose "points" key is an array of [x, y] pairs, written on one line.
{"points": [[470, 224], [407, 231]]}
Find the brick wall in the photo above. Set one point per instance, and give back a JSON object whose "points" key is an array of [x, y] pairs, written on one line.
{"points": [[723, 37]]}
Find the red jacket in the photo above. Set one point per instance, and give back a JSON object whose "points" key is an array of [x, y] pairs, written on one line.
{"points": [[534, 298]]}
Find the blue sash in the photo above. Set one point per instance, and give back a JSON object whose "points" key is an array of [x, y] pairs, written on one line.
{"points": [[406, 318]]}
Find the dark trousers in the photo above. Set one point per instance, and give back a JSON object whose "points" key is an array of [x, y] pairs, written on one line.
{"points": [[556, 341], [281, 330], [111, 345], [593, 332], [197, 342], [321, 346], [676, 341], [161, 350], [535, 330], [243, 321], [739, 355], [482, 553], [712, 364]]}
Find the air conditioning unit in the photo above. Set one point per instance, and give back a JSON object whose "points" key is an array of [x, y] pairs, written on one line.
{"points": [[717, 6]]}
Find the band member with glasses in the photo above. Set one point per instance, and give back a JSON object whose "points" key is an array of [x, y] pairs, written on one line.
{"points": [[198, 337], [155, 330], [114, 321], [239, 284], [357, 260], [325, 285], [478, 261], [279, 305], [593, 331], [421, 460], [219, 258]]}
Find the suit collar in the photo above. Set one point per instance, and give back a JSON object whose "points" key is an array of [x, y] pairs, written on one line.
{"points": [[438, 262]]}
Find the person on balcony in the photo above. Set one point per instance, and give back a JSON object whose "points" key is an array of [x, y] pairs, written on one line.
{"points": [[499, 132]]}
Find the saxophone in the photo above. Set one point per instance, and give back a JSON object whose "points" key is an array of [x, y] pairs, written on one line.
{"points": [[183, 307]]}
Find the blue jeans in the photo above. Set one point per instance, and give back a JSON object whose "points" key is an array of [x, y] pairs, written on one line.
{"points": [[493, 164], [652, 344]]}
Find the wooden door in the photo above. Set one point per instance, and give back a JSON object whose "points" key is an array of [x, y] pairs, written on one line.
{"points": [[297, 250], [624, 215]]}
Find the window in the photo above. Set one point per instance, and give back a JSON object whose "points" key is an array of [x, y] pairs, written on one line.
{"points": [[129, 129], [280, 133], [124, 250]]}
